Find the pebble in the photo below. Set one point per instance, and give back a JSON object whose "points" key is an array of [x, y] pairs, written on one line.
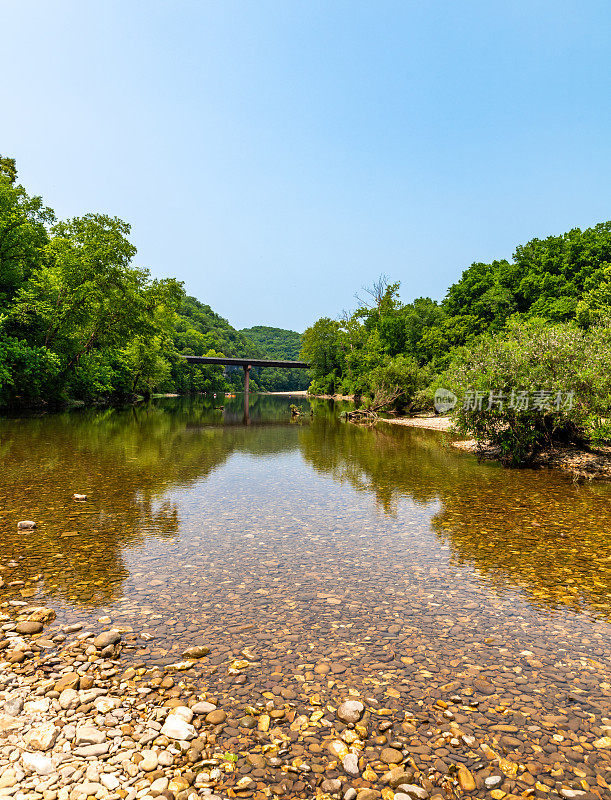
{"points": [[42, 736], [177, 728], [149, 761], [159, 786], [29, 627], [391, 756], [466, 779], [350, 763], [106, 639], [87, 734], [69, 698], [203, 707], [331, 785], [411, 791], [37, 762], [350, 711]]}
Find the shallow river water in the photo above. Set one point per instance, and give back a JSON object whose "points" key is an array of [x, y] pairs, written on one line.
{"points": [[377, 562]]}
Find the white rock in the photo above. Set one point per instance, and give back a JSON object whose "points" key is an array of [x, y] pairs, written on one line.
{"points": [[87, 734], [165, 759], [350, 764], [110, 781], [87, 695], [69, 698], [36, 706], [411, 791], [158, 786], [82, 790], [42, 737], [176, 727], [203, 707], [105, 704], [149, 761], [183, 712], [350, 711], [36, 762], [8, 778]]}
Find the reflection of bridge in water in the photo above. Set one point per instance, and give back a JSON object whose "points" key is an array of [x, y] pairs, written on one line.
{"points": [[246, 364]]}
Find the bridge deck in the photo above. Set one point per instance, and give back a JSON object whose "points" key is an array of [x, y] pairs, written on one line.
{"points": [[246, 362]]}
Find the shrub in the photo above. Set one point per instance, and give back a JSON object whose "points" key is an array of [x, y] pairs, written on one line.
{"points": [[532, 384]]}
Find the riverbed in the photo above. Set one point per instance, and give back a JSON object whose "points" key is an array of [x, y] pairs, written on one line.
{"points": [[466, 607]]}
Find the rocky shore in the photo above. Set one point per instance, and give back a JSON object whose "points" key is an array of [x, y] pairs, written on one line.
{"points": [[75, 723]]}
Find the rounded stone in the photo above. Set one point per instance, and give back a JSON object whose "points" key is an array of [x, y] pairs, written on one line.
{"points": [[331, 785], [391, 756], [29, 627], [216, 717], [106, 639], [203, 707], [149, 761], [350, 763], [69, 698], [350, 711]]}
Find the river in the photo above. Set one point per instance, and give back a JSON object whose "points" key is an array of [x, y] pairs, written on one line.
{"points": [[372, 562]]}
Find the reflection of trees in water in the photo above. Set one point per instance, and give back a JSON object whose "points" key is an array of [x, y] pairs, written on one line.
{"points": [[538, 532], [518, 528], [534, 530], [388, 462], [126, 461]]}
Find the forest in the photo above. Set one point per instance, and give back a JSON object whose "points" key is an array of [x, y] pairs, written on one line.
{"points": [[80, 323], [537, 328]]}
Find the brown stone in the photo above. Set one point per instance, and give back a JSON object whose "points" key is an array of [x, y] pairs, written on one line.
{"points": [[466, 779], [69, 681], [391, 756], [216, 717], [483, 686], [29, 627]]}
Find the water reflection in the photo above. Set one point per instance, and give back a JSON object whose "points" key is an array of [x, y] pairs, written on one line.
{"points": [[535, 530], [532, 530]]}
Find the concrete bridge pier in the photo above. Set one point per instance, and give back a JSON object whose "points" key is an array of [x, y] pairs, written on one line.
{"points": [[246, 392]]}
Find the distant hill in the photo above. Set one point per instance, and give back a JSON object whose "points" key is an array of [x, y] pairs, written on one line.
{"points": [[281, 344], [275, 342], [199, 331]]}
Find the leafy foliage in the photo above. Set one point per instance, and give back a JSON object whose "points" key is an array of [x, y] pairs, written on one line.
{"points": [[532, 384], [79, 321], [541, 318], [277, 344]]}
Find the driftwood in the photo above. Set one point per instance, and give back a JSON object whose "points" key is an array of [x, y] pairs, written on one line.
{"points": [[383, 397]]}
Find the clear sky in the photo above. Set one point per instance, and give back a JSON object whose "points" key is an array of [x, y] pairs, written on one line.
{"points": [[277, 155]]}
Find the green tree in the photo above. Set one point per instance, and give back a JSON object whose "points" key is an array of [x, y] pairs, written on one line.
{"points": [[322, 348]]}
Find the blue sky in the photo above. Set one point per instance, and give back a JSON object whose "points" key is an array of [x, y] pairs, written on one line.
{"points": [[276, 156]]}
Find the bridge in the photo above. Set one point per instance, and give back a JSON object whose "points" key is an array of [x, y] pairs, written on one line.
{"points": [[246, 364]]}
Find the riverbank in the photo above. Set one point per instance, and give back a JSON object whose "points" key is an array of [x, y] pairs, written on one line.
{"points": [[296, 393], [77, 722], [83, 717], [591, 464], [347, 397]]}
